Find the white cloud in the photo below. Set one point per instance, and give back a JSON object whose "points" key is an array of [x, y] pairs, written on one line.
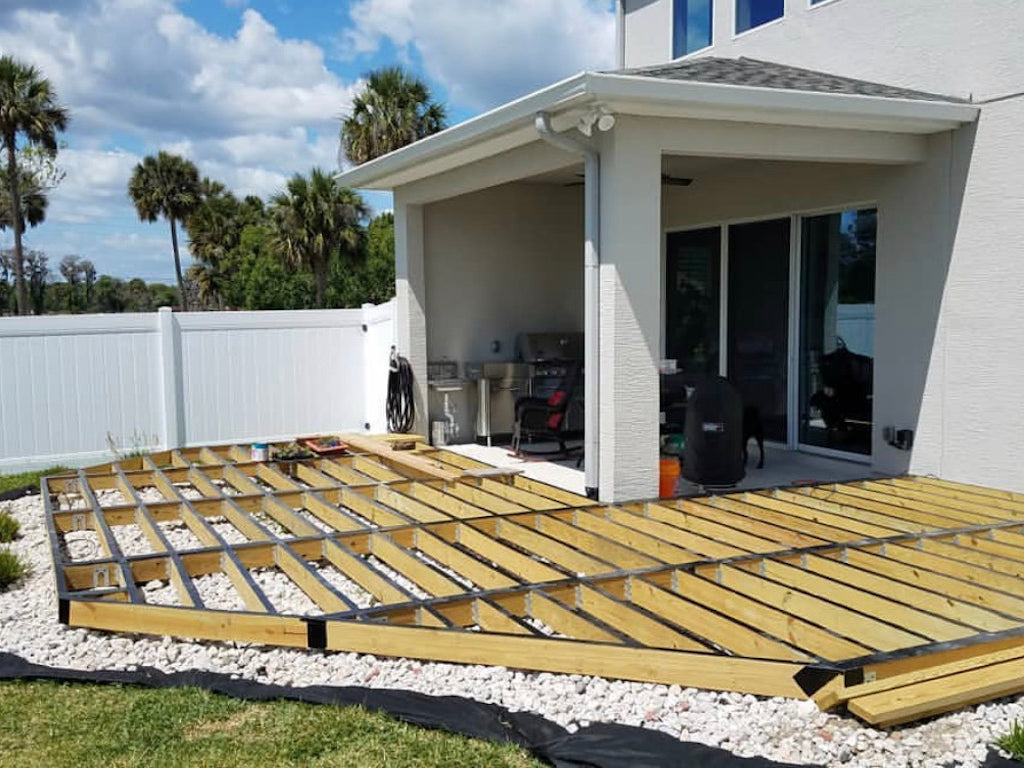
{"points": [[485, 53], [250, 109]]}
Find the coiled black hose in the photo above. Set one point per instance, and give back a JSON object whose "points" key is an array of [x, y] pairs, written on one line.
{"points": [[401, 411]]}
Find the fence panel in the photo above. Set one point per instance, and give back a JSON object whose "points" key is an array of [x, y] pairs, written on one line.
{"points": [[72, 385], [67, 384]]}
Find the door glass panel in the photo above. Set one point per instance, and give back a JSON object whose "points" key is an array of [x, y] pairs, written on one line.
{"points": [[837, 319], [692, 286], [759, 319]]}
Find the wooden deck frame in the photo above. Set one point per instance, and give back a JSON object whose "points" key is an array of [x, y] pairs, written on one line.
{"points": [[827, 590]]}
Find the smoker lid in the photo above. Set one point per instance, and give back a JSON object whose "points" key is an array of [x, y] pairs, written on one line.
{"points": [[541, 347]]}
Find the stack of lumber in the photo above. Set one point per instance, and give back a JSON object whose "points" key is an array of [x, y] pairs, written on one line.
{"points": [[931, 689]]}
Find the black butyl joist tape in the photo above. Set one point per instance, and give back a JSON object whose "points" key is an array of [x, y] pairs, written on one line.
{"points": [[599, 745]]}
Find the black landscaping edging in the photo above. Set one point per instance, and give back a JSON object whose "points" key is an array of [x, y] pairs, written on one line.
{"points": [[595, 746], [17, 493]]}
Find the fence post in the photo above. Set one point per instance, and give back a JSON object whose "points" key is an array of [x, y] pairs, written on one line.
{"points": [[170, 379]]}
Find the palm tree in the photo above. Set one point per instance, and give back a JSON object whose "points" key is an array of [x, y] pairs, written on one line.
{"points": [[33, 201], [166, 185], [393, 110], [28, 109], [314, 219]]}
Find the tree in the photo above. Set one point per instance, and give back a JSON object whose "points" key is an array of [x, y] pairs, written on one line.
{"points": [[28, 109], [393, 110], [315, 220], [38, 274], [69, 270], [215, 230], [166, 186]]}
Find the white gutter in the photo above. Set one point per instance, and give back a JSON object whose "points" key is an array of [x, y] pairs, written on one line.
{"points": [[493, 123], [591, 297], [652, 96]]}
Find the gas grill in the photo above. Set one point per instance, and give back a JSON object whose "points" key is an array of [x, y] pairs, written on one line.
{"points": [[549, 358]]}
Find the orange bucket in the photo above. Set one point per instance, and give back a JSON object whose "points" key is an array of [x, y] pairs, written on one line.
{"points": [[668, 477]]}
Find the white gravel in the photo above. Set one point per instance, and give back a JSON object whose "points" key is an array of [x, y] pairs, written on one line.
{"points": [[780, 729]]}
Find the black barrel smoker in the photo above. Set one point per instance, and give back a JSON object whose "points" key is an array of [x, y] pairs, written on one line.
{"points": [[714, 434]]}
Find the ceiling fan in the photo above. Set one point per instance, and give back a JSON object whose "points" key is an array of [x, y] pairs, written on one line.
{"points": [[667, 179]]}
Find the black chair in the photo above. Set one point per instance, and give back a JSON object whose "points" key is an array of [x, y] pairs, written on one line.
{"points": [[539, 418]]}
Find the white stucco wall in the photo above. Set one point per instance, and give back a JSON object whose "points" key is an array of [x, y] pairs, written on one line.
{"points": [[499, 262], [977, 371], [956, 47]]}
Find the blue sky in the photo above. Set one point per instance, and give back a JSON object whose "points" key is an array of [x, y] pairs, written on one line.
{"points": [[252, 91]]}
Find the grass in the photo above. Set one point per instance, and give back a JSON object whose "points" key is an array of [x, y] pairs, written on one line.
{"points": [[12, 568], [10, 482], [73, 725], [1013, 742], [9, 528]]}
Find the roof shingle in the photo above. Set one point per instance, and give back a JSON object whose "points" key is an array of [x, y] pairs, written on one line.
{"points": [[767, 74]]}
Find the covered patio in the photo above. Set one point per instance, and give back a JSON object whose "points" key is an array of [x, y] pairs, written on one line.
{"points": [[587, 205]]}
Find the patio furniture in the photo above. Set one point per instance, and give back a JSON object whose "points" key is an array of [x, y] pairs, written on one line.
{"points": [[544, 419]]}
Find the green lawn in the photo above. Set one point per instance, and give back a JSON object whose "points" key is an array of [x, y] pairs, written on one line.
{"points": [[10, 482], [75, 725]]}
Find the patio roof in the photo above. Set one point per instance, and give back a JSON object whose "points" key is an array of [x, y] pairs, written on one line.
{"points": [[884, 595], [742, 90]]}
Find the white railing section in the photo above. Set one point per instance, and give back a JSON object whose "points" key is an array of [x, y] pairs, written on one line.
{"points": [[75, 388]]}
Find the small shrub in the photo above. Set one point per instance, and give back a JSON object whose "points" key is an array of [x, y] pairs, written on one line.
{"points": [[1013, 742], [9, 528], [12, 568]]}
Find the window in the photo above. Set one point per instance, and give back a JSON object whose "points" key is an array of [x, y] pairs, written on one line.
{"points": [[691, 26], [754, 13], [837, 321]]}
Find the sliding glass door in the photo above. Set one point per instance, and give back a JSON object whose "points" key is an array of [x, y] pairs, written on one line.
{"points": [[758, 326], [798, 325], [837, 331], [693, 262]]}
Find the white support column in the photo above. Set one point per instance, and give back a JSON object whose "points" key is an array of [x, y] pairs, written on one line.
{"points": [[410, 292], [170, 379], [630, 300]]}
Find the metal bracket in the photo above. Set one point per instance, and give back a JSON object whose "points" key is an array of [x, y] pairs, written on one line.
{"points": [[100, 577], [78, 522]]}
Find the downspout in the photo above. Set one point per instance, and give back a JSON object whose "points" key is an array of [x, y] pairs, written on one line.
{"points": [[591, 286], [620, 34]]}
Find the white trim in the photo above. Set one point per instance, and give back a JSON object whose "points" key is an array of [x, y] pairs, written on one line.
{"points": [[811, 5], [736, 35], [511, 125], [793, 338]]}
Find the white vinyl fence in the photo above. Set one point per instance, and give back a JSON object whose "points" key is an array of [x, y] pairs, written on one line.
{"points": [[73, 388]]}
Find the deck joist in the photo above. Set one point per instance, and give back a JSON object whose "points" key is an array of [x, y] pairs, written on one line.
{"points": [[898, 598]]}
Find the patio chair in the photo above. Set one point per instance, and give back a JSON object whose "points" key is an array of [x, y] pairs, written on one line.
{"points": [[544, 419]]}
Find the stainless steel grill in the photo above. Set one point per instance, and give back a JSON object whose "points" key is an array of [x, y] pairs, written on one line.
{"points": [[550, 357]]}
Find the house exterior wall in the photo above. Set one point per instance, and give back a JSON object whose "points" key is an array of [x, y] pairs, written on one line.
{"points": [[498, 262], [943, 46], [950, 277]]}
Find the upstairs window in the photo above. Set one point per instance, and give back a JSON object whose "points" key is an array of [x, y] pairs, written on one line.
{"points": [[754, 13], [691, 26]]}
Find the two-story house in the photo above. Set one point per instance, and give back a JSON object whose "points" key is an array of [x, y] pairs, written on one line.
{"points": [[820, 199]]}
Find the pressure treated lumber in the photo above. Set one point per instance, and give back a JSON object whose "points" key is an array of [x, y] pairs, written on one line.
{"points": [[913, 585]]}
